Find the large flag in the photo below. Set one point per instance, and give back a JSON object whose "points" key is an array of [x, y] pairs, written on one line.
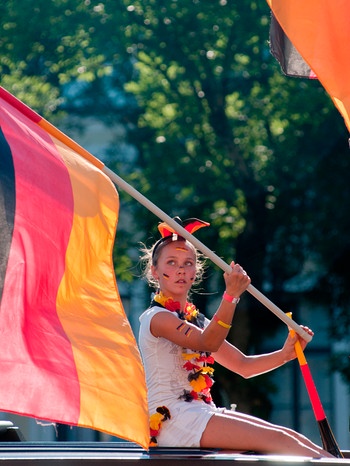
{"points": [[319, 30], [68, 354]]}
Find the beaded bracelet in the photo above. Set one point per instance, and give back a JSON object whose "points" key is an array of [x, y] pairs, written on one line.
{"points": [[220, 322]]}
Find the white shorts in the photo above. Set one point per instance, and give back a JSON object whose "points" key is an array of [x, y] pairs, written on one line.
{"points": [[187, 424]]}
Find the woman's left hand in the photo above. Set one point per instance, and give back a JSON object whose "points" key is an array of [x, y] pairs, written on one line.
{"points": [[289, 345]]}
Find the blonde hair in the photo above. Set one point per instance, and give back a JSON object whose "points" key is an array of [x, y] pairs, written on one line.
{"points": [[151, 255]]}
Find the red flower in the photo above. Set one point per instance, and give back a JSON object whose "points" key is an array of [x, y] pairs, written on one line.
{"points": [[172, 305], [189, 366], [207, 359]]}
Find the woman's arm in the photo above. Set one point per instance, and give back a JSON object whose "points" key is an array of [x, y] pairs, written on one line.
{"points": [[210, 339], [168, 325], [249, 366]]}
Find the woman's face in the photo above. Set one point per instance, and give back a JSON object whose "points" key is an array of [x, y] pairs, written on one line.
{"points": [[175, 269]]}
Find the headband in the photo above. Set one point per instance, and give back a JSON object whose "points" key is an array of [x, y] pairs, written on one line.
{"points": [[168, 233]]}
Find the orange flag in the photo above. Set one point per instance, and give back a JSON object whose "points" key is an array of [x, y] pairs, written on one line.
{"points": [[319, 30], [68, 354]]}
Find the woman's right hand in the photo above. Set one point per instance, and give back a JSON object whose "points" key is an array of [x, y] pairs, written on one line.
{"points": [[236, 281]]}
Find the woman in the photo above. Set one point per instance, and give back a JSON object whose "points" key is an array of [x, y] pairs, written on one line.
{"points": [[179, 346]]}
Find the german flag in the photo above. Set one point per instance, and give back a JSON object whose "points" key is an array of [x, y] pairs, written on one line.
{"points": [[319, 31], [68, 354]]}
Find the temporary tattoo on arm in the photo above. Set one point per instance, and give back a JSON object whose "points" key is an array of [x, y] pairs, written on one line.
{"points": [[180, 327], [183, 326]]}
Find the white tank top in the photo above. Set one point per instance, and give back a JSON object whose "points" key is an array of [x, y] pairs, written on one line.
{"points": [[165, 377]]}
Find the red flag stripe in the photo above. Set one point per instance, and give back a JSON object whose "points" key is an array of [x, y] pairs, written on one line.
{"points": [[71, 355], [36, 177]]}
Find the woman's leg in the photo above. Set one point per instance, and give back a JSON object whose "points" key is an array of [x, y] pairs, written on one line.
{"points": [[291, 432], [236, 431]]}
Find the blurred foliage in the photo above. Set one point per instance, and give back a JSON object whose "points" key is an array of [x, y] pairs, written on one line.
{"points": [[220, 134]]}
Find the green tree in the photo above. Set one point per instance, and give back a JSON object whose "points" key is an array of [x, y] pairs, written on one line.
{"points": [[224, 136], [220, 133], [66, 56]]}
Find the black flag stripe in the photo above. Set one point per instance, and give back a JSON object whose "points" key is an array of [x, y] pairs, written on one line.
{"points": [[7, 206]]}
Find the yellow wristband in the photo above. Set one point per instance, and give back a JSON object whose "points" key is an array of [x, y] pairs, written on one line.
{"points": [[220, 322]]}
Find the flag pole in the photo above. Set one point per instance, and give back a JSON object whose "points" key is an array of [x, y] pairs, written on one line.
{"points": [[328, 440], [55, 132], [204, 249]]}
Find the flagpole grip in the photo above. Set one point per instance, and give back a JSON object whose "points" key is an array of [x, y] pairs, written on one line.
{"points": [[204, 249]]}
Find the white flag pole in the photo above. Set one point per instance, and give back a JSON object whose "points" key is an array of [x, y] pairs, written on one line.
{"points": [[55, 132], [204, 249]]}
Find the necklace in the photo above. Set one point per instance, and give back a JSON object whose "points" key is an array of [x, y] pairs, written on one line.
{"points": [[196, 362], [191, 313]]}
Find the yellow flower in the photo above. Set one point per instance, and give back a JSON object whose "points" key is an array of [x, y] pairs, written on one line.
{"points": [[199, 384], [207, 370], [188, 356], [155, 421]]}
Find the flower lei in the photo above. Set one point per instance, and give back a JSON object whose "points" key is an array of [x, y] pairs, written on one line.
{"points": [[162, 414], [196, 362]]}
